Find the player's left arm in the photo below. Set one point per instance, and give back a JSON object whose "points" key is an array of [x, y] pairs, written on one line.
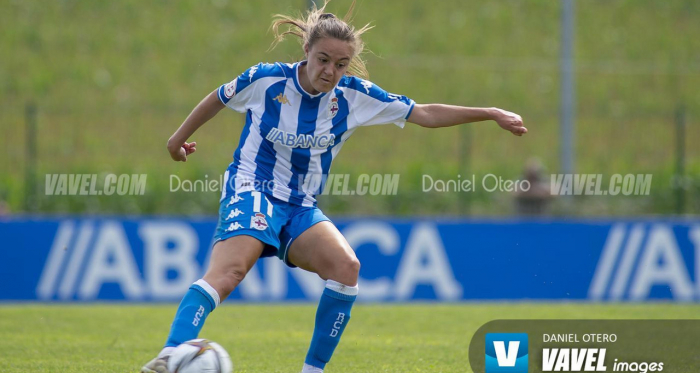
{"points": [[439, 115]]}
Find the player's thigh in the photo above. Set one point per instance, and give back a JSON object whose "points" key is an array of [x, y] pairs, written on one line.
{"points": [[322, 249], [230, 261]]}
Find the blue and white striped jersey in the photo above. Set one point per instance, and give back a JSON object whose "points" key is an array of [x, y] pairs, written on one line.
{"points": [[291, 137]]}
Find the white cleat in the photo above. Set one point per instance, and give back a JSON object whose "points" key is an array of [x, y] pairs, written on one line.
{"points": [[157, 365], [310, 369]]}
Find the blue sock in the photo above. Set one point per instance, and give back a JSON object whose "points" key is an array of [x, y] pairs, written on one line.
{"points": [[332, 316], [198, 303]]}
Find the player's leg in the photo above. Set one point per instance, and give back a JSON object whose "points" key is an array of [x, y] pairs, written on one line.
{"points": [[246, 231], [246, 226], [322, 249], [230, 261]]}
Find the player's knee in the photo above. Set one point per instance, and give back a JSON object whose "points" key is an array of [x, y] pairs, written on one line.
{"points": [[233, 277], [354, 266], [347, 271], [226, 280]]}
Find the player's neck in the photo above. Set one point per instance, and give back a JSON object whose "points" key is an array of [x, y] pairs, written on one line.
{"points": [[305, 82]]}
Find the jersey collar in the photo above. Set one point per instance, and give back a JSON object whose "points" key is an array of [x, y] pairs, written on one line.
{"points": [[301, 90]]}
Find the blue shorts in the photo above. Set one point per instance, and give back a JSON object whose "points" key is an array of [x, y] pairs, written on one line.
{"points": [[272, 221]]}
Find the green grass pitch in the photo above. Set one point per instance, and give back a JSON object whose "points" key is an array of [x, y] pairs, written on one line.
{"points": [[274, 338]]}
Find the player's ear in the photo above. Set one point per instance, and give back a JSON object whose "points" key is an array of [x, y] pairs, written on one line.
{"points": [[306, 50]]}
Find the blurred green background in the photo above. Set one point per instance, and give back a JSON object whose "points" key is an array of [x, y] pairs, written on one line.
{"points": [[111, 81]]}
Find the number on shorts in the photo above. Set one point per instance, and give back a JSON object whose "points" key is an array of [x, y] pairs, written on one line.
{"points": [[257, 199]]}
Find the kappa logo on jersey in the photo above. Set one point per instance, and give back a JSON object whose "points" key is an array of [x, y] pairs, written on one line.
{"points": [[258, 222], [252, 72], [282, 99], [333, 107], [234, 226], [234, 213], [506, 353], [234, 199], [230, 89], [367, 85]]}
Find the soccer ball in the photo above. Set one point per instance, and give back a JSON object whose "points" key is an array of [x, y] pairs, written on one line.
{"points": [[200, 356]]}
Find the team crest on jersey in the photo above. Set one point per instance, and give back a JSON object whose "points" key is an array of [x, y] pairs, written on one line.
{"points": [[333, 107], [258, 222], [230, 89]]}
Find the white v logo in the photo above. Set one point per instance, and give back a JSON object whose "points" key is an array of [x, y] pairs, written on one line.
{"points": [[506, 359]]}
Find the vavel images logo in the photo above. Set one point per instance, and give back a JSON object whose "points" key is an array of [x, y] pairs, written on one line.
{"points": [[506, 353]]}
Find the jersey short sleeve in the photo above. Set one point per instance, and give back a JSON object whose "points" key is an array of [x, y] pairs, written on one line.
{"points": [[373, 105], [245, 92]]}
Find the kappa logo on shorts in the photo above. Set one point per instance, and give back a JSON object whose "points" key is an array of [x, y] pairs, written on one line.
{"points": [[234, 199], [234, 213], [258, 222], [234, 226]]}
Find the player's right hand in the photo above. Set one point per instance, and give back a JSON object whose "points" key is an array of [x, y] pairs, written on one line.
{"points": [[182, 152]]}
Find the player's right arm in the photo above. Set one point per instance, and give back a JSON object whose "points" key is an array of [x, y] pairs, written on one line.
{"points": [[178, 147]]}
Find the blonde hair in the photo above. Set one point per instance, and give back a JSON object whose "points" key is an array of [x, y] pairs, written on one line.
{"points": [[316, 25]]}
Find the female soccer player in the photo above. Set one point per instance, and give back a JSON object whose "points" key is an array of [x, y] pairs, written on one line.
{"points": [[298, 116]]}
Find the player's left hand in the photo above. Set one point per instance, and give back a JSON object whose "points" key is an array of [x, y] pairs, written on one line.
{"points": [[510, 122]]}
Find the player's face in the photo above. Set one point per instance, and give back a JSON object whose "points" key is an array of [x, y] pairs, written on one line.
{"points": [[328, 60]]}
